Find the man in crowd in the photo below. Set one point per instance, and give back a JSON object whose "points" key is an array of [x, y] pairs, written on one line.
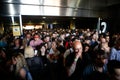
{"points": [[74, 63]]}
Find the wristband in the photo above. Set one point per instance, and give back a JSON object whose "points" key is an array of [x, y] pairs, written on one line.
{"points": [[75, 59]]}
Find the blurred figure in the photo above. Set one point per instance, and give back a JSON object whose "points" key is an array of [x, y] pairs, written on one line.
{"points": [[3, 42], [47, 39], [54, 52], [27, 39], [17, 46], [60, 46], [94, 40], [114, 69], [98, 69], [34, 62], [86, 56], [36, 42], [103, 44], [42, 52], [4, 72], [3, 57], [73, 63], [107, 38], [18, 64], [115, 51]]}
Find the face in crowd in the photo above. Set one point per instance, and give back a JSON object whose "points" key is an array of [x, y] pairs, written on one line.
{"points": [[36, 37], [77, 46], [101, 58]]}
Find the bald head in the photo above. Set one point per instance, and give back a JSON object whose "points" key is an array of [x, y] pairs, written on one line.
{"points": [[77, 43], [77, 46]]}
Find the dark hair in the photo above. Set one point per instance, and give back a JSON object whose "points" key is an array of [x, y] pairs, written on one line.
{"points": [[113, 64], [117, 41], [99, 53], [40, 46], [2, 49]]}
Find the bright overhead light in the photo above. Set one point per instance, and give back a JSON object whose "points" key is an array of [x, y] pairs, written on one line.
{"points": [[74, 18], [29, 1], [43, 22], [44, 17], [55, 22], [55, 10], [12, 9], [12, 18], [52, 2], [10, 0], [30, 10], [28, 27]]}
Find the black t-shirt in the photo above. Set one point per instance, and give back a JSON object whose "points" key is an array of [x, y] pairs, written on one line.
{"points": [[77, 74]]}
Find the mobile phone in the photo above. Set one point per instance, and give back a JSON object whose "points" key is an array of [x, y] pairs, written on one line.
{"points": [[36, 51]]}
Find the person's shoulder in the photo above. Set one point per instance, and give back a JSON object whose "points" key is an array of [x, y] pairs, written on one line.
{"points": [[36, 58], [72, 54], [88, 69], [32, 41], [70, 57], [90, 66]]}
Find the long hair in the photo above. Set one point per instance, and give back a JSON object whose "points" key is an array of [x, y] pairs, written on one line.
{"points": [[21, 62]]}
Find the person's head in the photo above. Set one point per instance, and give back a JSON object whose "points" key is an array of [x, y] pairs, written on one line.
{"points": [[54, 45], [77, 47], [29, 52], [107, 38], [47, 38], [117, 44], [17, 41], [86, 47], [28, 35], [87, 40], [117, 73], [103, 40], [114, 69], [94, 37], [54, 35], [59, 42], [42, 49], [2, 53], [36, 37], [62, 36], [19, 60], [100, 57]]}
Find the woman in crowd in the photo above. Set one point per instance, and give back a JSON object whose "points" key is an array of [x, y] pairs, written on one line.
{"points": [[19, 68]]}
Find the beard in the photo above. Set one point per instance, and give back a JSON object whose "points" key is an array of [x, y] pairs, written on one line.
{"points": [[99, 64]]}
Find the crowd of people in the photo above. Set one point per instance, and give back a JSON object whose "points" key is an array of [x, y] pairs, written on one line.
{"points": [[60, 54]]}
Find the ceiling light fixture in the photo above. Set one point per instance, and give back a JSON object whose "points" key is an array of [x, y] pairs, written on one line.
{"points": [[44, 17], [73, 18]]}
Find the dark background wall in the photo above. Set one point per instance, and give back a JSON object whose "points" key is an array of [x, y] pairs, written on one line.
{"points": [[114, 18]]}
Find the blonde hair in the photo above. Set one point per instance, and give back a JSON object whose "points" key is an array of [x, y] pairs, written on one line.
{"points": [[21, 62], [29, 52]]}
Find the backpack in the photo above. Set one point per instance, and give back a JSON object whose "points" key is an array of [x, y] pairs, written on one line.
{"points": [[35, 65]]}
